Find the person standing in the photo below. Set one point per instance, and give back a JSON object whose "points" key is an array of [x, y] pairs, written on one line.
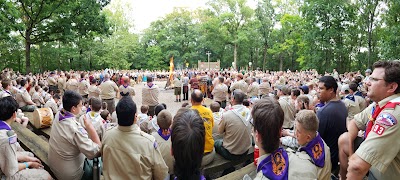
{"points": [[220, 92], [287, 107], [185, 84], [332, 117], [51, 81], [150, 95], [83, 86], [108, 92], [177, 88]]}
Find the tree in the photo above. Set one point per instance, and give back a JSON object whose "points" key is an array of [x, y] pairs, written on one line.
{"points": [[266, 15], [54, 20]]}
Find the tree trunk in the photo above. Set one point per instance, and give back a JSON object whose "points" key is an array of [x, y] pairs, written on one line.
{"points": [[28, 51], [264, 56], [235, 56], [280, 63]]}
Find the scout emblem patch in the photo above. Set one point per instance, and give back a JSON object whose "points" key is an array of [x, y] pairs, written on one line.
{"points": [[12, 139], [82, 130], [315, 149], [276, 165], [155, 145], [386, 119]]}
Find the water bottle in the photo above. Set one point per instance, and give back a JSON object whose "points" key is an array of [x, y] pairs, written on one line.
{"points": [[96, 169], [256, 154]]}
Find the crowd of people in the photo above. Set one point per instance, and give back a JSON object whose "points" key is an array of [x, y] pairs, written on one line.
{"points": [[305, 125]]}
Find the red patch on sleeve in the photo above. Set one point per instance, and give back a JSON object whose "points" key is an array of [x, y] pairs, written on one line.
{"points": [[378, 129]]}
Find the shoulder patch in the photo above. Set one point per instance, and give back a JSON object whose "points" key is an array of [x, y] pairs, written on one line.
{"points": [[12, 139], [386, 119], [82, 130], [378, 129], [155, 144]]}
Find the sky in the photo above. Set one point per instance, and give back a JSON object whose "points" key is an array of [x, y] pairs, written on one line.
{"points": [[143, 12]]}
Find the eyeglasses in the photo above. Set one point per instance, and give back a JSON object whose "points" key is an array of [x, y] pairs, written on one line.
{"points": [[375, 79]]}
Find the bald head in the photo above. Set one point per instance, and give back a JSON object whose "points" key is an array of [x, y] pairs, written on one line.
{"points": [[107, 76], [197, 97]]}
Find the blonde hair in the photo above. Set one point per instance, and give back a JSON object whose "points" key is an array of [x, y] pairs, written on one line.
{"points": [[308, 120]]}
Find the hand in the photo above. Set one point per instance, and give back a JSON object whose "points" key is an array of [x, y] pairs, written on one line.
{"points": [[33, 159], [87, 122], [35, 165]]}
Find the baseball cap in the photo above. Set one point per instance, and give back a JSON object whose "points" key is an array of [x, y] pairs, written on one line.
{"points": [[368, 71], [304, 89]]}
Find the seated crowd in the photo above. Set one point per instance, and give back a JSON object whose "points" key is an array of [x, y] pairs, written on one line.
{"points": [[302, 126]]}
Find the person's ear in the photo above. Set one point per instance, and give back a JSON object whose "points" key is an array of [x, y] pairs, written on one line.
{"points": [[392, 87]]}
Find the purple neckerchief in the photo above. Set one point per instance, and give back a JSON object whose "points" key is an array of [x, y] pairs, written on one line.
{"points": [[64, 115], [321, 104], [276, 165], [150, 85], [88, 110], [7, 92], [125, 86], [165, 137], [351, 97], [316, 150], [4, 125], [81, 80], [201, 178]]}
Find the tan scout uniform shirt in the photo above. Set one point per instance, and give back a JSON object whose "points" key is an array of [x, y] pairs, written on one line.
{"points": [[52, 105], [301, 166], [108, 90], [150, 95], [93, 91], [240, 85], [69, 146], [264, 88], [237, 135], [288, 110], [253, 90], [83, 87], [9, 150], [51, 81], [72, 85], [354, 107], [177, 82], [61, 83], [23, 97], [128, 89], [165, 147], [220, 91], [128, 150], [381, 148]]}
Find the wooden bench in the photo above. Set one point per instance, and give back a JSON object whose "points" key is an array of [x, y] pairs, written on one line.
{"points": [[33, 143], [238, 174], [219, 163]]}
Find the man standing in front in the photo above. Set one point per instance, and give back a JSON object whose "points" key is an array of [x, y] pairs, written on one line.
{"points": [[128, 152], [332, 118], [379, 153], [108, 92], [150, 95], [287, 107], [220, 92], [71, 144]]}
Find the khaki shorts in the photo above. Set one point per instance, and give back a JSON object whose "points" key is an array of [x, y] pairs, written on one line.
{"points": [[178, 91]]}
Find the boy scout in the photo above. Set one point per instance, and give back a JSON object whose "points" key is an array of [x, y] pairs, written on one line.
{"points": [[70, 143], [13, 163], [128, 152], [380, 152], [24, 99]]}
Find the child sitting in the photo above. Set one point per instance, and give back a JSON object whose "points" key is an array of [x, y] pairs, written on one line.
{"points": [[143, 118], [94, 116], [217, 114], [162, 136]]}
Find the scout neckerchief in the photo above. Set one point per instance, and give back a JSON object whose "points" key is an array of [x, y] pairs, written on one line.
{"points": [[351, 97], [150, 84], [165, 137], [276, 165], [315, 149], [376, 111], [4, 125], [64, 115]]}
